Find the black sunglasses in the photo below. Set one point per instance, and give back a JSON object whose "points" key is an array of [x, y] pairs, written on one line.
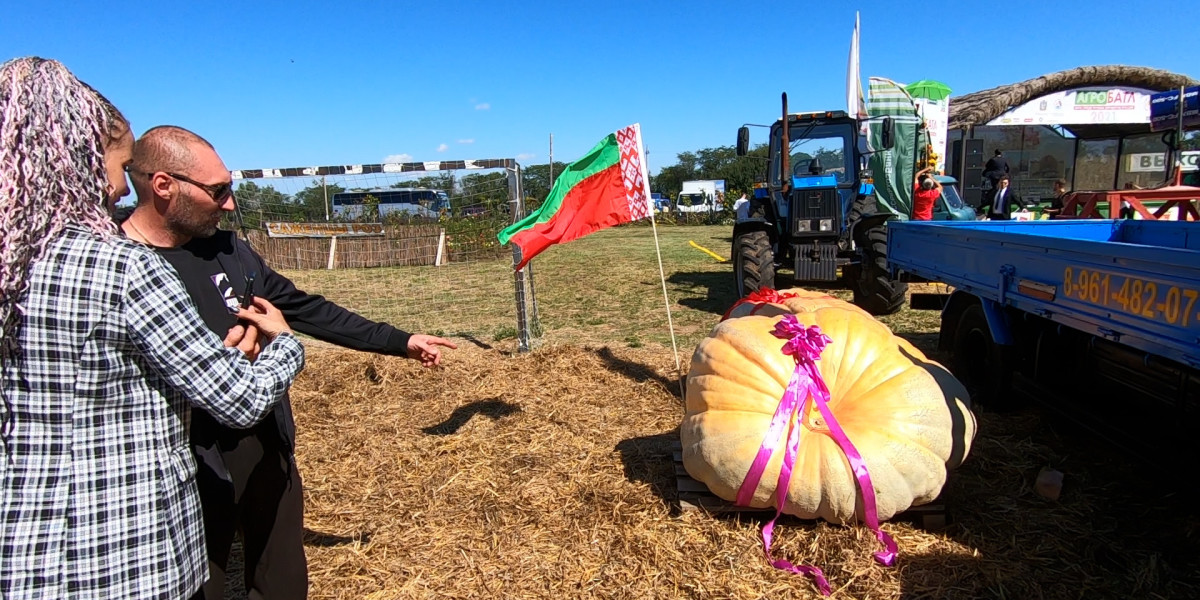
{"points": [[219, 192]]}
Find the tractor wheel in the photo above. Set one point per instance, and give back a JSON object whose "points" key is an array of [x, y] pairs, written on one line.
{"points": [[874, 289], [753, 262], [862, 206]]}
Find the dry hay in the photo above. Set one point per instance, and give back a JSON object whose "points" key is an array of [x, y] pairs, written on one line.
{"points": [[550, 475]]}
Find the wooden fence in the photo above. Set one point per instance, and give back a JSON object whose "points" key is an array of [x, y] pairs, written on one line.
{"points": [[400, 245]]}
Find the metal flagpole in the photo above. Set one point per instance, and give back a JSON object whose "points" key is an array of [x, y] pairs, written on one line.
{"points": [[535, 323], [1178, 150], [518, 210]]}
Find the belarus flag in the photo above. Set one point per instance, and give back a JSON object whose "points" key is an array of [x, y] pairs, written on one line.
{"points": [[607, 187]]}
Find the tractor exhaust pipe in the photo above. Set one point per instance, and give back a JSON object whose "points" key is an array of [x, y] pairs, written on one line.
{"points": [[785, 177]]}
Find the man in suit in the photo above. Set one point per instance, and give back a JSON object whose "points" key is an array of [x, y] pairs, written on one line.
{"points": [[1002, 202], [996, 167]]}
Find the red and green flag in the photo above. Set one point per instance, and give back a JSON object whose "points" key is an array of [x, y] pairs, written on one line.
{"points": [[607, 187]]}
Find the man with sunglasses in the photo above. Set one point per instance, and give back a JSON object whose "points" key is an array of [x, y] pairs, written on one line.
{"points": [[247, 478]]}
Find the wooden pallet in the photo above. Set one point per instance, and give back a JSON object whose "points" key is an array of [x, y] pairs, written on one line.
{"points": [[694, 495]]}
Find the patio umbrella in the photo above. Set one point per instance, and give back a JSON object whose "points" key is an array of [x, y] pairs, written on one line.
{"points": [[928, 89]]}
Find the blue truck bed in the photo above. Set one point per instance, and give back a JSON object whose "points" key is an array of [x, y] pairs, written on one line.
{"points": [[1136, 283]]}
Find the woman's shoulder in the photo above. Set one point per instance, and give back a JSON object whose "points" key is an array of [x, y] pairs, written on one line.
{"points": [[113, 250]]}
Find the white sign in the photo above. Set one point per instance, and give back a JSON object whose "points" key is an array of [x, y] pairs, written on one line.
{"points": [[1082, 107], [1156, 162], [936, 114]]}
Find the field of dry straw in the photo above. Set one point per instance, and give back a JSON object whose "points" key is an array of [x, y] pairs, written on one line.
{"points": [[550, 475]]}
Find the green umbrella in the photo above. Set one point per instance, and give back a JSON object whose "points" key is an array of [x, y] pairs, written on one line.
{"points": [[928, 89]]}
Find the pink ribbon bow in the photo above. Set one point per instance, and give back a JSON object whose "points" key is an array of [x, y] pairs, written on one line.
{"points": [[805, 345]]}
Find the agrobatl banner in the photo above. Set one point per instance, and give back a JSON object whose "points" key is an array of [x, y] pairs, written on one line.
{"points": [[1081, 107]]}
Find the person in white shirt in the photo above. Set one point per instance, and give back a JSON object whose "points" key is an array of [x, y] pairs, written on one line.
{"points": [[742, 208]]}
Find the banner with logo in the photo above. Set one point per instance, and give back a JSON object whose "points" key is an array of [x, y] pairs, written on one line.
{"points": [[1164, 109], [936, 114], [1096, 105], [892, 168]]}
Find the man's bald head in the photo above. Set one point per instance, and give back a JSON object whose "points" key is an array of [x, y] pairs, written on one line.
{"points": [[165, 148]]}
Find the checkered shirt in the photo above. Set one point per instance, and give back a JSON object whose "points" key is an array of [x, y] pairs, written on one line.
{"points": [[98, 498]]}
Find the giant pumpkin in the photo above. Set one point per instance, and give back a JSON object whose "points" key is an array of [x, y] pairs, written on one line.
{"points": [[907, 416], [770, 303]]}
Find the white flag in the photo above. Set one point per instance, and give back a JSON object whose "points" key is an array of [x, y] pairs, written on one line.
{"points": [[855, 105]]}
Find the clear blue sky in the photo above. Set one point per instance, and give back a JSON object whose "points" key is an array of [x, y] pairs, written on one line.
{"points": [[282, 84]]}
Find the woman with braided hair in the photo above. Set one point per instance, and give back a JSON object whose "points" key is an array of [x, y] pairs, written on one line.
{"points": [[101, 353]]}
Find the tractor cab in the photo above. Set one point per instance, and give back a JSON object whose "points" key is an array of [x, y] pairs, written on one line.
{"points": [[809, 190], [816, 213]]}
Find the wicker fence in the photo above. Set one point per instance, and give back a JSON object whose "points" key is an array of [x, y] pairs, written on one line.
{"points": [[408, 245]]}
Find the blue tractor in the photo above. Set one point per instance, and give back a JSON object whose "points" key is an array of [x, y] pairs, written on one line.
{"points": [[817, 211]]}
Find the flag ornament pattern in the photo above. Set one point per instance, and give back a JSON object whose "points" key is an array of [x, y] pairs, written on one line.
{"points": [[607, 186], [633, 168]]}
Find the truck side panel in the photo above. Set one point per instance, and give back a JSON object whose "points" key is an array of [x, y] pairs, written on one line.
{"points": [[1135, 283]]}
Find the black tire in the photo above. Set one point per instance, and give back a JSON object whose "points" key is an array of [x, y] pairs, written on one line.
{"points": [[874, 289], [982, 365], [863, 205], [753, 262]]}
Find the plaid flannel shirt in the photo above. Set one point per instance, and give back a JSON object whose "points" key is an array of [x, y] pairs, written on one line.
{"points": [[98, 498]]}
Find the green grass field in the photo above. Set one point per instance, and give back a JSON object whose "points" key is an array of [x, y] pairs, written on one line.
{"points": [[602, 289]]}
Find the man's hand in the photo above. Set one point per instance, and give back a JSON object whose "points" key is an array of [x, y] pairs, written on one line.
{"points": [[244, 338], [425, 348]]}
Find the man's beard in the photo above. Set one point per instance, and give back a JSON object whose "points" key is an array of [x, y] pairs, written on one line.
{"points": [[186, 219]]}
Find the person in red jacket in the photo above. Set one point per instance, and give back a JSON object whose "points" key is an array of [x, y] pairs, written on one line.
{"points": [[926, 191]]}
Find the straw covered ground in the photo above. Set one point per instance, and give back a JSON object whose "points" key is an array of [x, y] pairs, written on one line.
{"points": [[550, 475]]}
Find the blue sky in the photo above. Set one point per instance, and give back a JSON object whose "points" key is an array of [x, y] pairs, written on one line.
{"points": [[282, 84]]}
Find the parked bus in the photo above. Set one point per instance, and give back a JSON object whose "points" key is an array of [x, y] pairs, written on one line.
{"points": [[416, 202]]}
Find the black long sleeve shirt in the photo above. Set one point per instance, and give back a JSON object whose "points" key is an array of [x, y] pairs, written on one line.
{"points": [[214, 271]]}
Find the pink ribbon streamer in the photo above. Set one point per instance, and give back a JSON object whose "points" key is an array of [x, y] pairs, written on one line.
{"points": [[805, 345]]}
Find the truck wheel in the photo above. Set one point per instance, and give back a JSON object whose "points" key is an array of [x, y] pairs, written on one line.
{"points": [[979, 362], [753, 262], [874, 289]]}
